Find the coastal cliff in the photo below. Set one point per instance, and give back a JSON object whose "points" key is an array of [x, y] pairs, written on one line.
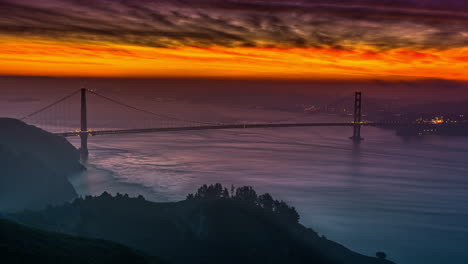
{"points": [[34, 166], [211, 226]]}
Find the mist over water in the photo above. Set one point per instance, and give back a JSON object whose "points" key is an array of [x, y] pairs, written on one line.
{"points": [[407, 198]]}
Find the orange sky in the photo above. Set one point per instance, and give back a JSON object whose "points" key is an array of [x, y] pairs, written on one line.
{"points": [[263, 39], [33, 57]]}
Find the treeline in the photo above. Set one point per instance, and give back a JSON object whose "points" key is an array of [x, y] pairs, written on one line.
{"points": [[107, 196], [248, 195], [213, 225]]}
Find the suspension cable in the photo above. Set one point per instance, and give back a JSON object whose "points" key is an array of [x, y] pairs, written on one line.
{"points": [[149, 112], [49, 106]]}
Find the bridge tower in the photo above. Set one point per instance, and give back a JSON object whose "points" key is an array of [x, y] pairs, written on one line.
{"points": [[357, 118], [84, 127]]}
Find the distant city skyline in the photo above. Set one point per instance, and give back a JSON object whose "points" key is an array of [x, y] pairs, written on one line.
{"points": [[294, 40]]}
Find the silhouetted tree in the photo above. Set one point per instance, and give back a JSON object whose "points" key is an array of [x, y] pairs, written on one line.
{"points": [[215, 191], [105, 195], [233, 189], [266, 202], [225, 193], [246, 193], [289, 213]]}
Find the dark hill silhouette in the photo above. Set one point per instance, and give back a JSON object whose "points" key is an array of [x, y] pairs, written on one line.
{"points": [[20, 244], [34, 165], [211, 226]]}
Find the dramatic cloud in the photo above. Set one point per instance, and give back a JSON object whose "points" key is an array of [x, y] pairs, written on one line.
{"points": [[426, 32], [240, 23]]}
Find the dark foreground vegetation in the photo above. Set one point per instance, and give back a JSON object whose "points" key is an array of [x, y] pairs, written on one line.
{"points": [[20, 244], [214, 225]]}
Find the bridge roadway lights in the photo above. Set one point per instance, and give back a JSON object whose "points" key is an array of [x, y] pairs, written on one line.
{"points": [[357, 132], [84, 133]]}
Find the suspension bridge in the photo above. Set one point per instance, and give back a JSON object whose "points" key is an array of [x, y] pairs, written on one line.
{"points": [[166, 123]]}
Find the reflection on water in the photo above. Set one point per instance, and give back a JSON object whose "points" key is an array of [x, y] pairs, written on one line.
{"points": [[407, 198]]}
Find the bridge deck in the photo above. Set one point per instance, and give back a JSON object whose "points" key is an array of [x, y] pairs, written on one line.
{"points": [[229, 126]]}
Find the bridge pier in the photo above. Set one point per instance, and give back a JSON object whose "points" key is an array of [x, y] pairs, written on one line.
{"points": [[84, 152], [84, 132], [357, 118], [84, 127]]}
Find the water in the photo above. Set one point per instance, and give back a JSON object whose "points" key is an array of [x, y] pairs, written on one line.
{"points": [[407, 198]]}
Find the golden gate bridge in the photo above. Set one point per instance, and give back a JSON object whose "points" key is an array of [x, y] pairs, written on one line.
{"points": [[167, 123]]}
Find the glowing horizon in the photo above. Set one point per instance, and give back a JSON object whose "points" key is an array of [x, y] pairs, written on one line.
{"points": [[49, 39]]}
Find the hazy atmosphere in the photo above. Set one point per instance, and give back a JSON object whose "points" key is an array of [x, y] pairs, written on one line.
{"points": [[218, 131]]}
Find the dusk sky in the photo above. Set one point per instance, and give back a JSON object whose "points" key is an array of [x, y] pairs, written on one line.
{"points": [[234, 131], [243, 39]]}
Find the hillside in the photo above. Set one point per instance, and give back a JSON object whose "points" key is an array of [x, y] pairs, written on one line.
{"points": [[20, 244], [35, 165], [212, 229]]}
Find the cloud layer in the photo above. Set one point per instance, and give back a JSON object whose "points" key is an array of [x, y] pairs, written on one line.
{"points": [[300, 39], [244, 23]]}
